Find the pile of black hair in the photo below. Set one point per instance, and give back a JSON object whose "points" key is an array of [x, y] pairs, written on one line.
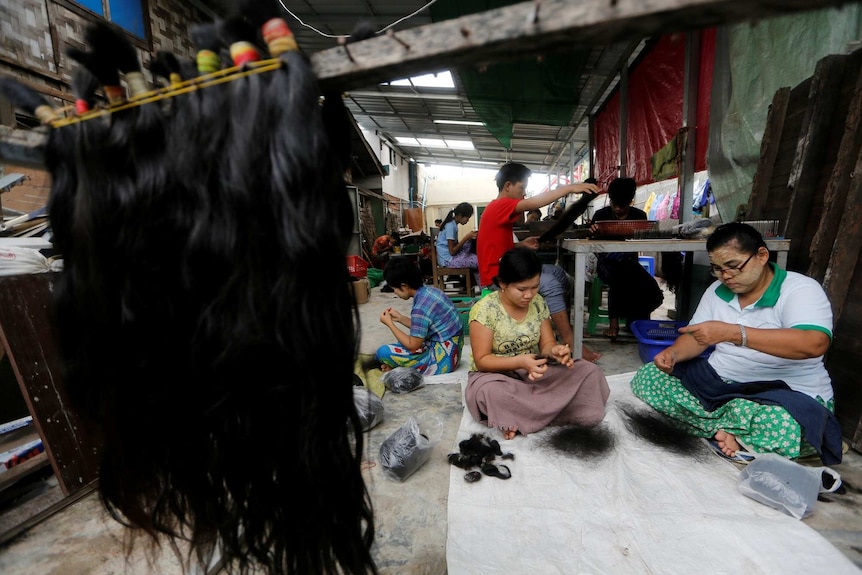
{"points": [[584, 442], [660, 431], [187, 323], [480, 451]]}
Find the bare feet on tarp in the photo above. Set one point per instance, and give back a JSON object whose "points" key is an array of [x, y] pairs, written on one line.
{"points": [[510, 432], [727, 442], [590, 355]]}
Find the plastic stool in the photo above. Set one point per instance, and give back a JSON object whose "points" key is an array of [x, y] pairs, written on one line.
{"points": [[598, 314]]}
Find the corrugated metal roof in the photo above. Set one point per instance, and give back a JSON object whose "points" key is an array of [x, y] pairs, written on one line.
{"points": [[409, 111]]}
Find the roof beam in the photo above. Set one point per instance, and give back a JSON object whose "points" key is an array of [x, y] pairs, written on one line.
{"points": [[395, 95], [531, 27]]}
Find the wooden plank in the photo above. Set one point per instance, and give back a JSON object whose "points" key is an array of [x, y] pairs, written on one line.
{"points": [[25, 333], [837, 187], [22, 470], [811, 149], [845, 253], [516, 31], [769, 147]]}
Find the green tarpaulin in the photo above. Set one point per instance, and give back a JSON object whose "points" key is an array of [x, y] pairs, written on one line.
{"points": [[526, 91]]}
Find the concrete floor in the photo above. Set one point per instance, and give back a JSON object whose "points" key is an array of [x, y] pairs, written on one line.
{"points": [[410, 516]]}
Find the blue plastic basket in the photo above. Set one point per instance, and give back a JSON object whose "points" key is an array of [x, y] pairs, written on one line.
{"points": [[654, 336]]}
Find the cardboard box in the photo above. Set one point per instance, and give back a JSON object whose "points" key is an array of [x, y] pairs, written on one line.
{"points": [[361, 290]]}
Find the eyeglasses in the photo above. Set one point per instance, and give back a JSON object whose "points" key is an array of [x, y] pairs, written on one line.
{"points": [[731, 271]]}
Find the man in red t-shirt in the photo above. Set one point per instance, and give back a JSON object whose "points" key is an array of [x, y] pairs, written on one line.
{"points": [[498, 218], [496, 237]]}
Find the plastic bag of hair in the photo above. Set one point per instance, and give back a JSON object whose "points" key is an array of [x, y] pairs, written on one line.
{"points": [[403, 379], [369, 407], [786, 485], [408, 448]]}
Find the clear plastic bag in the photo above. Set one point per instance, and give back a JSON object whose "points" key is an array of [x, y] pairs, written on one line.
{"points": [[369, 407], [403, 379], [408, 448], [784, 484]]}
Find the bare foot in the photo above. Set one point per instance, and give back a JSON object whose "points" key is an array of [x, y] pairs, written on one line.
{"points": [[613, 328], [590, 355], [727, 442], [384, 368], [510, 432]]}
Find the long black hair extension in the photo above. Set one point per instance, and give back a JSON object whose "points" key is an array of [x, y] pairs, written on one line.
{"points": [[189, 326]]}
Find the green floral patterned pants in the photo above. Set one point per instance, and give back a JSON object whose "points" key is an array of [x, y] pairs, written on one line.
{"points": [[764, 428]]}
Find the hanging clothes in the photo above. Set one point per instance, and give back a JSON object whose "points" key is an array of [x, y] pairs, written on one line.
{"points": [[663, 210], [652, 213], [648, 204]]}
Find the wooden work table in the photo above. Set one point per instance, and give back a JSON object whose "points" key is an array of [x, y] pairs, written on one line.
{"points": [[583, 247]]}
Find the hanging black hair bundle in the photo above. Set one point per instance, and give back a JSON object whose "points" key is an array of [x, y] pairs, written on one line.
{"points": [[204, 239]]}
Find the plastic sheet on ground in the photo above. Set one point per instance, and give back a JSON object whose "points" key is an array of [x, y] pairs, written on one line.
{"points": [[639, 509]]}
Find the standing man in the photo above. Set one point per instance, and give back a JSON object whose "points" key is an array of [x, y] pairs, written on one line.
{"points": [[496, 238]]}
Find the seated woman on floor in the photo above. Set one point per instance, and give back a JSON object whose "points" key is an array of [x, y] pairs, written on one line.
{"points": [[521, 380], [765, 387], [436, 336]]}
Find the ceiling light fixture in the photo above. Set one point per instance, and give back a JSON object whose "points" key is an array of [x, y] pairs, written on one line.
{"points": [[459, 122], [460, 144]]}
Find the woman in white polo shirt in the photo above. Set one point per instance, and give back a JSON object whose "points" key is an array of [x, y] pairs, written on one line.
{"points": [[765, 387]]}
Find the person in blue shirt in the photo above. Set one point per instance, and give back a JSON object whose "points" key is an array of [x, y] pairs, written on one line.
{"points": [[436, 334], [452, 252]]}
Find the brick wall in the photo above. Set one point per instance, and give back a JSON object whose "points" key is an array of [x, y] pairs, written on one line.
{"points": [[29, 196], [33, 37]]}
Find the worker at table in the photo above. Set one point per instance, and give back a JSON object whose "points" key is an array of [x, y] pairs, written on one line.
{"points": [[633, 293]]}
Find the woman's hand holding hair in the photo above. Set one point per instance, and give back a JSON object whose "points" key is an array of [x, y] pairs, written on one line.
{"points": [[536, 365], [712, 332], [665, 360], [563, 354]]}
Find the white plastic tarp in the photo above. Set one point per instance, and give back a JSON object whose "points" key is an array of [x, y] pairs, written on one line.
{"points": [[637, 510]]}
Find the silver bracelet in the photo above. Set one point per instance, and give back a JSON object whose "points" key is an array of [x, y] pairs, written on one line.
{"points": [[744, 336]]}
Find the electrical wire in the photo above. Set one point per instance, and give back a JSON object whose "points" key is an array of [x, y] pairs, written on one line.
{"points": [[325, 35]]}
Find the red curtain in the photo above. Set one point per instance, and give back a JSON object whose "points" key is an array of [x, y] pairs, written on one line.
{"points": [[655, 96], [606, 127], [704, 94]]}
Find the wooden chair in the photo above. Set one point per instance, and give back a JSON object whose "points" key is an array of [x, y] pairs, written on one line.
{"points": [[439, 274]]}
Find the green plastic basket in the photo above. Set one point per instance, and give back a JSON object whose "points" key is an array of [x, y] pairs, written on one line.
{"points": [[463, 305]]}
